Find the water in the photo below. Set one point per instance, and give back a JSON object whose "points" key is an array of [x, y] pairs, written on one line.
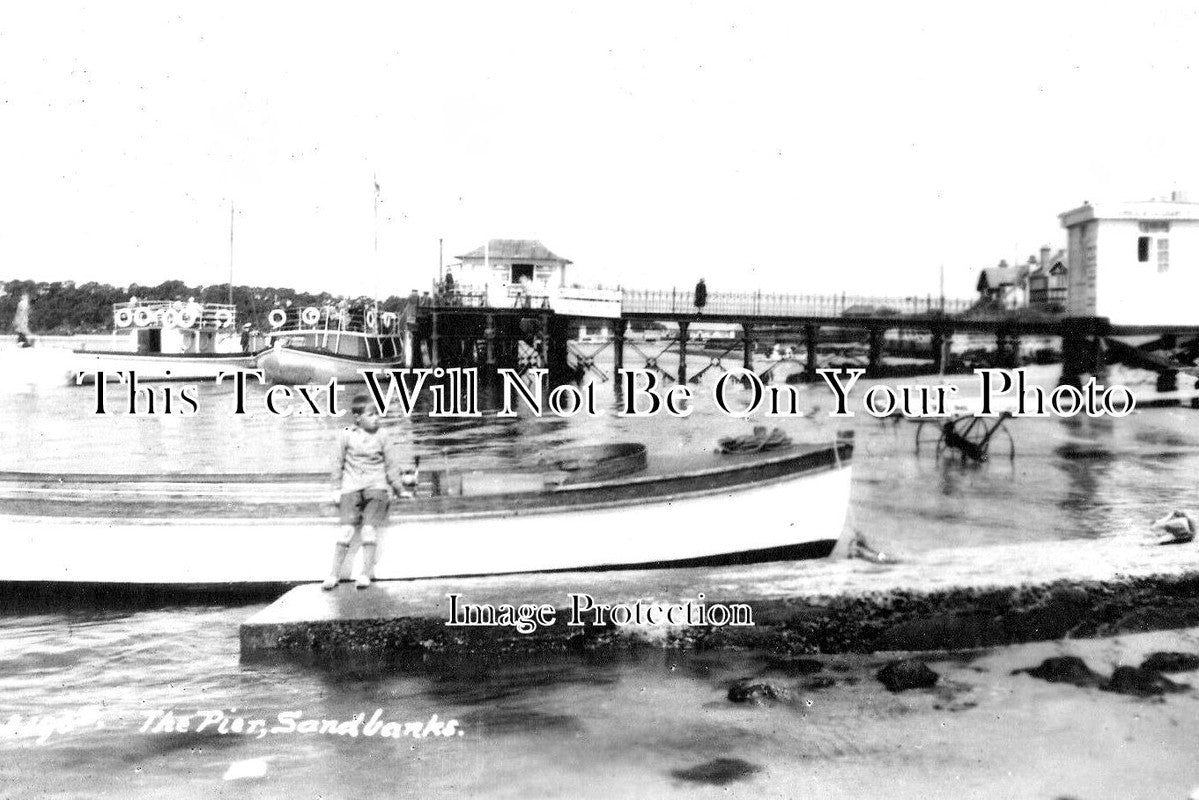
{"points": [[584, 727]]}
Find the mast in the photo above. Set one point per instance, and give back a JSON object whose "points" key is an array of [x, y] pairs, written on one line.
{"points": [[230, 252], [375, 266]]}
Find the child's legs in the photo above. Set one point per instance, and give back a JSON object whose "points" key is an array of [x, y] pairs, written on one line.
{"points": [[374, 518], [351, 509]]}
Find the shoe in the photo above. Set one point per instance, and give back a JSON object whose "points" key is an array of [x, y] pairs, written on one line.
{"points": [[329, 583], [363, 582]]}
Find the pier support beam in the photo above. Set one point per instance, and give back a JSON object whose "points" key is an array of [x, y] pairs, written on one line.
{"points": [[683, 328], [434, 336], [618, 329], [937, 346], [1007, 348], [1082, 350], [874, 360], [810, 332], [747, 345]]}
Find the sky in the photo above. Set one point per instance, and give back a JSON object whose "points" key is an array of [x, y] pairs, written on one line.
{"points": [[819, 148]]}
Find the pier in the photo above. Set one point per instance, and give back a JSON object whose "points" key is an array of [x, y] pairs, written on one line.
{"points": [[461, 330]]}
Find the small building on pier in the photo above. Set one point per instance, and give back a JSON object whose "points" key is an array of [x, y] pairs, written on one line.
{"points": [[1134, 263], [507, 264]]}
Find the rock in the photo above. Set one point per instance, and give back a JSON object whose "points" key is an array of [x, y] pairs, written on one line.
{"points": [[1140, 682], [1171, 662], [718, 772], [745, 692], [1065, 669], [910, 673]]}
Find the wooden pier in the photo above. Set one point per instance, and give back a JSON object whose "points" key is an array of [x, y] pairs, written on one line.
{"points": [[456, 332]]}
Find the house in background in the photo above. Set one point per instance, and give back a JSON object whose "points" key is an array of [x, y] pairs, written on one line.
{"points": [[1134, 263], [1048, 283], [1003, 286]]}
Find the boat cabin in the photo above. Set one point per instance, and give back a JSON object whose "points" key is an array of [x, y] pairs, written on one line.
{"points": [[163, 326], [360, 331]]}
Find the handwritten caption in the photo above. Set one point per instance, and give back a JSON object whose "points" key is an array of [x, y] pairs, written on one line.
{"points": [[41, 728]]}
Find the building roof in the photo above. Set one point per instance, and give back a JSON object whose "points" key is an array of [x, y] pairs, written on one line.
{"points": [[1164, 210], [994, 277], [515, 250]]}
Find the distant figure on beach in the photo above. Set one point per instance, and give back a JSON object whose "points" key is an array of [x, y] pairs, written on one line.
{"points": [[701, 296], [367, 467], [1179, 527], [20, 321]]}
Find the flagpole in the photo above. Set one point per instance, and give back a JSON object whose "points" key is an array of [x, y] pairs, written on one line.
{"points": [[375, 266], [230, 252]]}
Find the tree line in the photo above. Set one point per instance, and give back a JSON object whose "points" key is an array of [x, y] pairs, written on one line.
{"points": [[62, 307]]}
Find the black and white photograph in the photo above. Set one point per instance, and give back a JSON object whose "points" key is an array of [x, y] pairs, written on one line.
{"points": [[579, 400]]}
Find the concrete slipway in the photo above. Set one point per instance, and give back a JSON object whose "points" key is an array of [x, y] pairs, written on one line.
{"points": [[941, 599]]}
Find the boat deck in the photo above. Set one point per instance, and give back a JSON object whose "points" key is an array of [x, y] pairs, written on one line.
{"points": [[570, 478]]}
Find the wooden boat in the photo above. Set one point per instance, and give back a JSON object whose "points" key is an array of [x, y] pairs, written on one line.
{"points": [[165, 341], [599, 511], [316, 345]]}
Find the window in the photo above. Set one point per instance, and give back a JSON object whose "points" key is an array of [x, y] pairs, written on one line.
{"points": [[1163, 255], [522, 271], [1143, 249]]}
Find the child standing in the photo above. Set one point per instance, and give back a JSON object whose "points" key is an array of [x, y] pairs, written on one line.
{"points": [[366, 468]]}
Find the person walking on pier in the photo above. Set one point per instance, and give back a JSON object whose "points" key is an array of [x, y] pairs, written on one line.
{"points": [[366, 469], [701, 296]]}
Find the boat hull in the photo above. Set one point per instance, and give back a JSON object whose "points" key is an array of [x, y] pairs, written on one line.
{"points": [[755, 509], [296, 366], [155, 366]]}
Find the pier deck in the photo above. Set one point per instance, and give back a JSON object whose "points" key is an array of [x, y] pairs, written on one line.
{"points": [[942, 599]]}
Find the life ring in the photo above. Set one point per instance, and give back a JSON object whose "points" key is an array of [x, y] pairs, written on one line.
{"points": [[389, 319], [224, 318], [277, 317], [372, 319], [170, 319], [185, 317], [310, 316], [142, 317], [122, 317]]}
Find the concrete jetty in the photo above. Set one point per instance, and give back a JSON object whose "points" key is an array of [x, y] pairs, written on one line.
{"points": [[942, 599]]}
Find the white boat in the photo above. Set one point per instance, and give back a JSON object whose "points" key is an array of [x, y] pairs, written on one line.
{"points": [[221, 533], [315, 345], [166, 341]]}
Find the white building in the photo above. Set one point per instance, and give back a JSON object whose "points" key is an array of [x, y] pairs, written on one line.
{"points": [[504, 263], [524, 272], [1134, 263]]}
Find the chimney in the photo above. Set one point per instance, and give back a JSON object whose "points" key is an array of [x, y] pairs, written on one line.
{"points": [[1045, 256]]}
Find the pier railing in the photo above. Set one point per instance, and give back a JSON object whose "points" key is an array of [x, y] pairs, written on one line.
{"points": [[675, 301]]}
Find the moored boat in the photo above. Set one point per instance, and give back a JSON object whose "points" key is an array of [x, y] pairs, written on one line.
{"points": [[316, 345], [161, 341], [236, 532]]}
